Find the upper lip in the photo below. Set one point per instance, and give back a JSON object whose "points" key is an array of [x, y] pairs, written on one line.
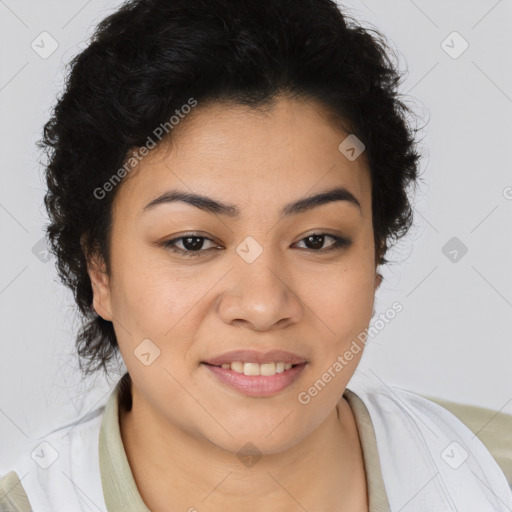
{"points": [[253, 356]]}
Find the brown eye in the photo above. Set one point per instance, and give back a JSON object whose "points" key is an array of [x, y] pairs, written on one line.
{"points": [[192, 245], [315, 242]]}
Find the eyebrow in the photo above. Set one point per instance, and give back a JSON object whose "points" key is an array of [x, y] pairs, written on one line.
{"points": [[211, 205]]}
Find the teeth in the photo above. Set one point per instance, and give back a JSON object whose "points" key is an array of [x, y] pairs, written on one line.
{"points": [[237, 367], [253, 368], [257, 369]]}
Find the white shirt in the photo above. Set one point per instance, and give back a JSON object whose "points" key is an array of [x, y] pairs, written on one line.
{"points": [[418, 458]]}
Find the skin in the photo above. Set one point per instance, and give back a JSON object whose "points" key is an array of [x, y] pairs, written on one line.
{"points": [[186, 427]]}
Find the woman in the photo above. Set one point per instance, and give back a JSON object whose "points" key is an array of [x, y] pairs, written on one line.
{"points": [[224, 179]]}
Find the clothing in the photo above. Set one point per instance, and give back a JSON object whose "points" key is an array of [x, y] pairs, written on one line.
{"points": [[494, 429], [411, 461]]}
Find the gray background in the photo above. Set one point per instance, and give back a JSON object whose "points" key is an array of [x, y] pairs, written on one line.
{"points": [[453, 337]]}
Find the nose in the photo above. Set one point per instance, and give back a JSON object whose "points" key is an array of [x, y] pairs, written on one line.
{"points": [[260, 295]]}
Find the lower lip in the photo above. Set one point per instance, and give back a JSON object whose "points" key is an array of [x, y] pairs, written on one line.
{"points": [[257, 385]]}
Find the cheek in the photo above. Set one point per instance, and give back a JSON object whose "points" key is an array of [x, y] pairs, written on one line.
{"points": [[144, 280], [343, 299], [158, 302], [152, 313], [153, 305], [145, 301]]}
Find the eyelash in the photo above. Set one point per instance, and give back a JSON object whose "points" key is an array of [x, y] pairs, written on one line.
{"points": [[339, 243]]}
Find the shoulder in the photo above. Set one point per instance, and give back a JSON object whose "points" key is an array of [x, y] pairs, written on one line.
{"points": [[422, 445], [493, 428], [13, 497], [46, 473]]}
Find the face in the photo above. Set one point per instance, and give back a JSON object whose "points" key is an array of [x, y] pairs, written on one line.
{"points": [[195, 283]]}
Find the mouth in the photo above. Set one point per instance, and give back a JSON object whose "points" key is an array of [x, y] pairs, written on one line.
{"points": [[253, 381], [265, 369], [247, 356]]}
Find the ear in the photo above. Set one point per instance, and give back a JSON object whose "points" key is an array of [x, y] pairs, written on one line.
{"points": [[100, 286]]}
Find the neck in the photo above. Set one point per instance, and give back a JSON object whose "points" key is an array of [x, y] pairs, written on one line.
{"points": [[324, 471]]}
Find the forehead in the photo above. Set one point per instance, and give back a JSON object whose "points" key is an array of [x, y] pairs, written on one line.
{"points": [[233, 152]]}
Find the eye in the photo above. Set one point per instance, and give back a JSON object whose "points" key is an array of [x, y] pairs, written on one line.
{"points": [[316, 240], [193, 245]]}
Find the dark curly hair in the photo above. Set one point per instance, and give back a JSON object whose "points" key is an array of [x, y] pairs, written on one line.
{"points": [[150, 57]]}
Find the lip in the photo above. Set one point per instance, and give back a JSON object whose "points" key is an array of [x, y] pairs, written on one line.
{"points": [[257, 385], [253, 356]]}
